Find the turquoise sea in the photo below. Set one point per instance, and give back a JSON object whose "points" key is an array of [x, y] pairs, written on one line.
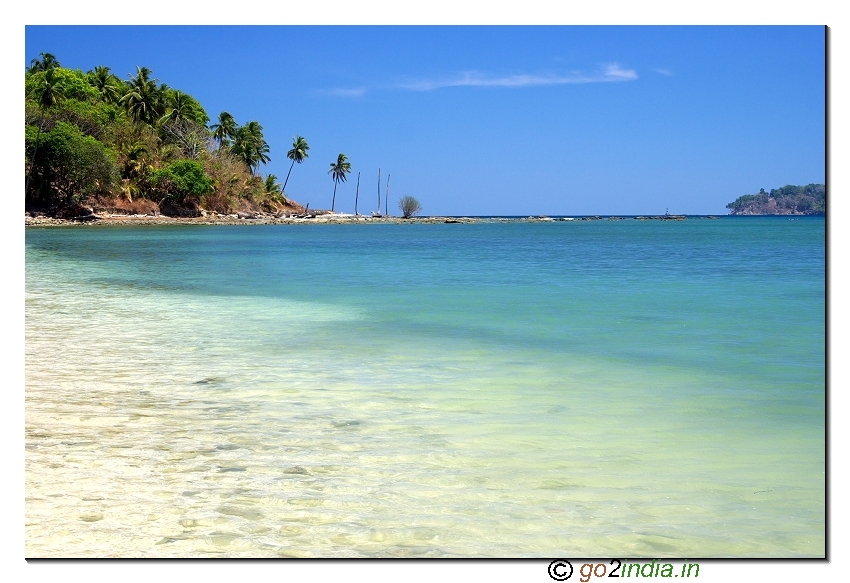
{"points": [[499, 389]]}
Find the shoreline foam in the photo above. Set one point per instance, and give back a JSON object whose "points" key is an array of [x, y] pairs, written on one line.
{"points": [[318, 218]]}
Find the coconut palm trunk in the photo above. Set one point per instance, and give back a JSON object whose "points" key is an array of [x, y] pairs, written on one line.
{"points": [[287, 175], [333, 202], [387, 198]]}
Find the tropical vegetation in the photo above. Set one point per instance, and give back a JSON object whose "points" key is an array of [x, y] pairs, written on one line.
{"points": [[338, 171], [298, 153], [93, 138], [788, 200]]}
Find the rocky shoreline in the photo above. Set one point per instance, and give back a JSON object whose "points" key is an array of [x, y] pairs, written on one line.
{"points": [[319, 217]]}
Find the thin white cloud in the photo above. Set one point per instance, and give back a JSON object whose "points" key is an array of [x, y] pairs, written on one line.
{"points": [[611, 73], [352, 92], [616, 73], [665, 72]]}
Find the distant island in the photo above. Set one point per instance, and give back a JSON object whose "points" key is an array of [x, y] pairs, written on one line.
{"points": [[788, 200]]}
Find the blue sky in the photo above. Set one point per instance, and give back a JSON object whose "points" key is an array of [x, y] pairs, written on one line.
{"points": [[501, 120]]}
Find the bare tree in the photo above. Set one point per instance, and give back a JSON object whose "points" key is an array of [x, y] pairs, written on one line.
{"points": [[409, 206], [189, 136]]}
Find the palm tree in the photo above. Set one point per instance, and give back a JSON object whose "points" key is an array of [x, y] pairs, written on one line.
{"points": [[250, 146], [135, 160], [135, 168], [105, 82], [142, 79], [47, 94], [142, 100], [224, 130], [47, 61], [338, 171], [273, 188], [298, 153], [260, 145], [241, 146], [179, 106]]}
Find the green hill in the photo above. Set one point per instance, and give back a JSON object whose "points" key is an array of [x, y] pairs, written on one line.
{"points": [[788, 200], [137, 146]]}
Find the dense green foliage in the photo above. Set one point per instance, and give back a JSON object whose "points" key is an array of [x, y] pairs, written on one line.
{"points": [[71, 84], [70, 166], [790, 199], [182, 179], [94, 138]]}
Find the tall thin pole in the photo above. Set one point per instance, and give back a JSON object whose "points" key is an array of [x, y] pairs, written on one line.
{"points": [[357, 194], [387, 198], [379, 191]]}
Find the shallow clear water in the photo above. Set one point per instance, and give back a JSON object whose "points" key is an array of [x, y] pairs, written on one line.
{"points": [[609, 388]]}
